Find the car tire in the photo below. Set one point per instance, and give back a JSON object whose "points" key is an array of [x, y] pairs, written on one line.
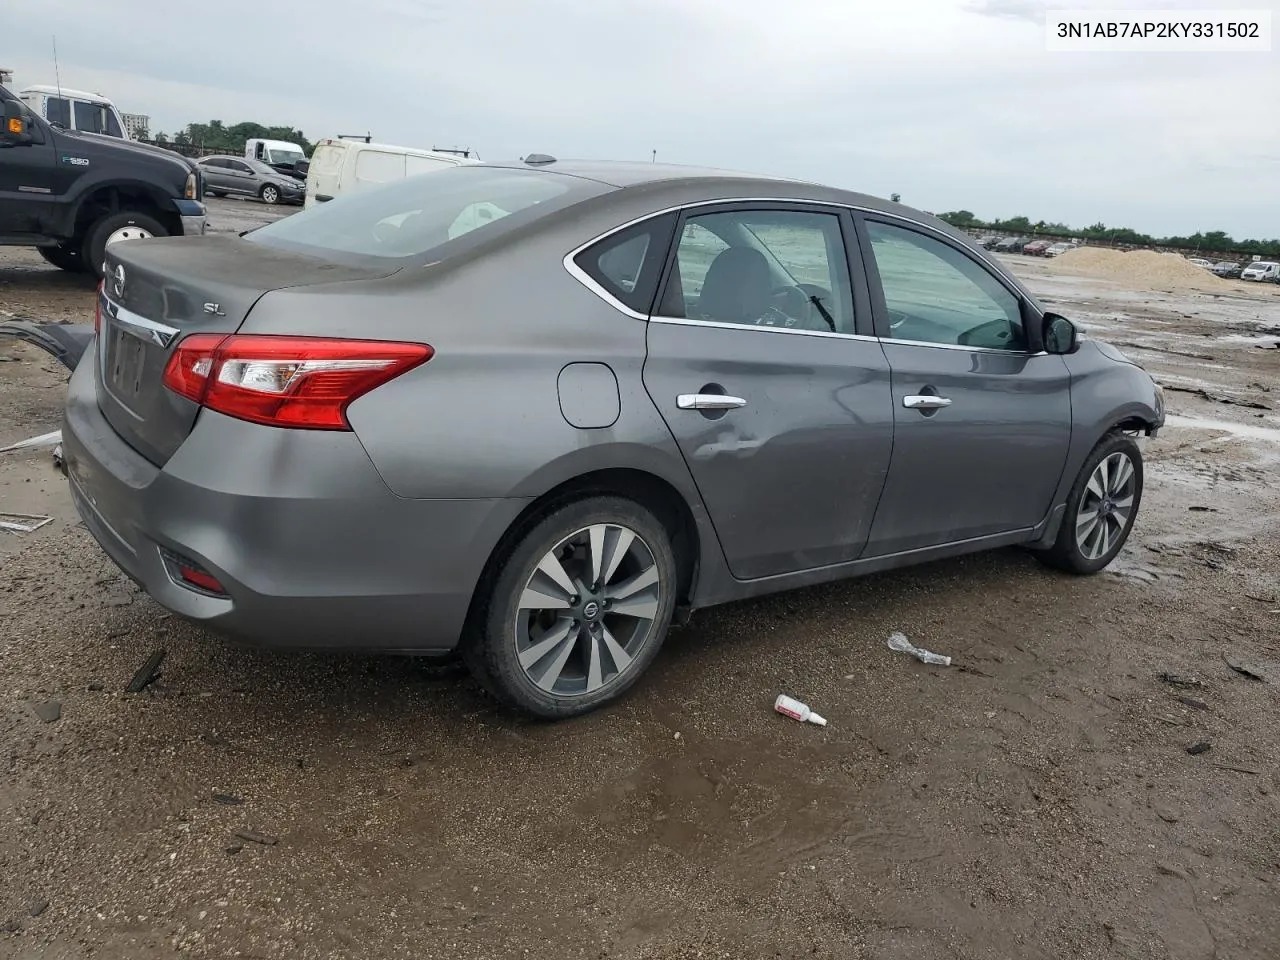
{"points": [[117, 226], [1101, 508], [269, 194], [582, 649], [70, 259], [216, 193]]}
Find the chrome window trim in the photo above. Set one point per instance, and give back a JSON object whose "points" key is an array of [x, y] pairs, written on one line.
{"points": [[761, 328], [138, 326], [582, 277]]}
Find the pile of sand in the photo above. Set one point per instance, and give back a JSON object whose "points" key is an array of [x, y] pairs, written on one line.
{"points": [[1138, 268]]}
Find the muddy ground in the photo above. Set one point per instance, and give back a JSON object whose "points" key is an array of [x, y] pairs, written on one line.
{"points": [[1036, 800]]}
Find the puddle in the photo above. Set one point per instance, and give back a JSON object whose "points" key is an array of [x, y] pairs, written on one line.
{"points": [[1245, 431]]}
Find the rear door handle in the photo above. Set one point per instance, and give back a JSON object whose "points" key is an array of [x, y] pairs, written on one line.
{"points": [[925, 402], [709, 401]]}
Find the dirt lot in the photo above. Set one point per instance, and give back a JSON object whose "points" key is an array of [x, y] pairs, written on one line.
{"points": [[1036, 800]]}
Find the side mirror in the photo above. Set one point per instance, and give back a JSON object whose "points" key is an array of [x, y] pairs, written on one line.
{"points": [[301, 167], [16, 130], [1060, 334]]}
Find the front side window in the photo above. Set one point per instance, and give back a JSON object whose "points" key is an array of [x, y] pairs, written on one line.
{"points": [[936, 294], [58, 110], [769, 268], [90, 117], [239, 166]]}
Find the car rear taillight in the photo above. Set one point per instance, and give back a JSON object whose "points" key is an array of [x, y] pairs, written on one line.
{"points": [[303, 382]]}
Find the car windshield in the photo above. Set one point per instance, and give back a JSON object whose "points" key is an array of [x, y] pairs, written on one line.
{"points": [[1261, 265], [409, 217], [284, 155]]}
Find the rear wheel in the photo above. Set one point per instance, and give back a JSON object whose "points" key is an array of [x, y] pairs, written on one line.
{"points": [[269, 194], [1101, 507], [64, 258], [115, 227], [578, 611]]}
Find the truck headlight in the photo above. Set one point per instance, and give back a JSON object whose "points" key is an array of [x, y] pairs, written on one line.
{"points": [[192, 187]]}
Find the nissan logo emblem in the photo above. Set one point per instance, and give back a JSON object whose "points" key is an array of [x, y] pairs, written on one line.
{"points": [[118, 285]]}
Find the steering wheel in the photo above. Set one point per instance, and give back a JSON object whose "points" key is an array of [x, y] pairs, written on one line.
{"points": [[804, 306]]}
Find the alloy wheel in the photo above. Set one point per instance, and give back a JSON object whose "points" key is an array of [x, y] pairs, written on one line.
{"points": [[129, 232], [1106, 506], [587, 610]]}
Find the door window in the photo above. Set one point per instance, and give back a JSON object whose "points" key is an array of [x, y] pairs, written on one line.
{"points": [[936, 294], [58, 110], [216, 162], [239, 166], [769, 268], [90, 117]]}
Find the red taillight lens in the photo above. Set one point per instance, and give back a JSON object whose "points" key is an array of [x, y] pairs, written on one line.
{"points": [[286, 381]]}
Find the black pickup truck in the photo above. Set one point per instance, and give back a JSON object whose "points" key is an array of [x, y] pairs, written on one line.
{"points": [[69, 193]]}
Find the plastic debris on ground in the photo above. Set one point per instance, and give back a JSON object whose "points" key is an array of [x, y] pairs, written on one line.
{"points": [[23, 522], [44, 440], [899, 643], [797, 711]]}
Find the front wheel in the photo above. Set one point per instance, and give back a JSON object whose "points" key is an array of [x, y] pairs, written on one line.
{"points": [[64, 258], [578, 611], [1101, 508], [269, 194], [115, 227]]}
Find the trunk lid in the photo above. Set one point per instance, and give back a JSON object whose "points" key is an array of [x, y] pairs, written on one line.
{"points": [[157, 291]]}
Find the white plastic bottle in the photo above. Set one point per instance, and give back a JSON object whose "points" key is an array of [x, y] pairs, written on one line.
{"points": [[797, 710]]}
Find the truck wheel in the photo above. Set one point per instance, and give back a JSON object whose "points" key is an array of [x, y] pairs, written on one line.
{"points": [[114, 227], [64, 258], [269, 194]]}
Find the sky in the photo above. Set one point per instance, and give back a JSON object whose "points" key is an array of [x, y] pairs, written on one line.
{"points": [[954, 104]]}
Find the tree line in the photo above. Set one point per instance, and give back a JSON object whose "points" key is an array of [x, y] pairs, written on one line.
{"points": [[1215, 241], [215, 137]]}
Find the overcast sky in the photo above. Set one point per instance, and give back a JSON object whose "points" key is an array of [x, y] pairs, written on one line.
{"points": [[952, 103]]}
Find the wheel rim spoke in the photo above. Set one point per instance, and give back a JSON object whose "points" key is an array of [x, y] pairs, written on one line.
{"points": [[535, 599], [556, 572], [555, 635], [1123, 471], [618, 548], [641, 608], [549, 677], [621, 659], [596, 537], [633, 585], [595, 677], [1097, 483]]}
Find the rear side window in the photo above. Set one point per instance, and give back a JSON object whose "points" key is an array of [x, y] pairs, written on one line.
{"points": [[376, 166], [628, 264], [408, 218]]}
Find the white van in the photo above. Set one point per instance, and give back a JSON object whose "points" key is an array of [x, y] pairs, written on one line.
{"points": [[279, 154], [1261, 270], [341, 166], [74, 109]]}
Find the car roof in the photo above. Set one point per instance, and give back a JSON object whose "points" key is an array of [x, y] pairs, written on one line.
{"points": [[66, 92], [624, 175]]}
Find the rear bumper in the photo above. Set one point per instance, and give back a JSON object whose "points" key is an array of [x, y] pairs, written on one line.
{"points": [[312, 548]]}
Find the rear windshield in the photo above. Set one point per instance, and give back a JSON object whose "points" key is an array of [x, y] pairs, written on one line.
{"points": [[409, 217]]}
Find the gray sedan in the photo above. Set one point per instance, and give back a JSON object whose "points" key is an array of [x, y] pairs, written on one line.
{"points": [[534, 412], [240, 176]]}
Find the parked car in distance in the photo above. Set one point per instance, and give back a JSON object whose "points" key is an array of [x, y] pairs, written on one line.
{"points": [[633, 391], [1010, 244], [1262, 270], [1057, 249], [1201, 262], [97, 190], [341, 166], [1227, 268], [986, 243], [1036, 247], [240, 177]]}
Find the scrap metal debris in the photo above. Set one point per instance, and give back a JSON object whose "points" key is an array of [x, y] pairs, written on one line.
{"points": [[1252, 671], [252, 836], [43, 440], [147, 673], [1190, 683], [65, 341], [23, 522], [1198, 748]]}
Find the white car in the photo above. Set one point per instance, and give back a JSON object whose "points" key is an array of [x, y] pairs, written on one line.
{"points": [[1060, 248], [1199, 262], [1261, 270]]}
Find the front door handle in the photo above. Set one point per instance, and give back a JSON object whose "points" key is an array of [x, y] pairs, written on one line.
{"points": [[709, 401], [925, 402]]}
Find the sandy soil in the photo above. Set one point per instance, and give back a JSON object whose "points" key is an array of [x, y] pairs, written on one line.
{"points": [[1036, 800]]}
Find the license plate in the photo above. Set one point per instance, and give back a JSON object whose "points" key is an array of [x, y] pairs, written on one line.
{"points": [[127, 356]]}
